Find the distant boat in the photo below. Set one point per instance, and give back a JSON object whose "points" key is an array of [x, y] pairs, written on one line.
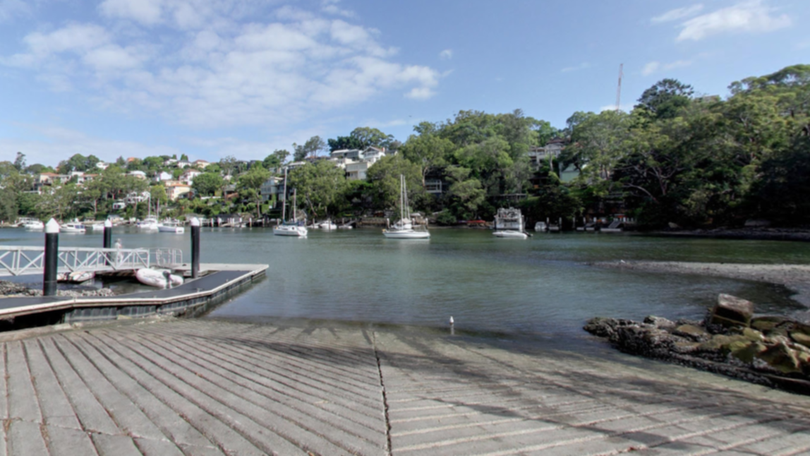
{"points": [[171, 227], [540, 226], [73, 227], [327, 225], [509, 224], [286, 229], [403, 228], [97, 227], [34, 225], [149, 223]]}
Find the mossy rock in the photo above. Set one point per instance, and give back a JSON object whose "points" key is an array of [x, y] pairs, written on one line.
{"points": [[693, 332], [800, 338], [748, 352], [782, 358], [731, 311], [753, 335], [767, 323], [721, 343]]}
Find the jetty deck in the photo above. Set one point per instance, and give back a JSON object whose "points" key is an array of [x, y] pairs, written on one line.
{"points": [[210, 387]]}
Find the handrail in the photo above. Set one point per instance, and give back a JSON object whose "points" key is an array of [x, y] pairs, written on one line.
{"points": [[18, 260]]}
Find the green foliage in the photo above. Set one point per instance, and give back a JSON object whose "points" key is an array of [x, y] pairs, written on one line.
{"points": [[344, 142], [208, 183], [664, 99], [321, 187], [249, 185], [309, 148], [384, 177]]}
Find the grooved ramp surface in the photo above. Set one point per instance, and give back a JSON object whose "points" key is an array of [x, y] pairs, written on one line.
{"points": [[207, 387]]}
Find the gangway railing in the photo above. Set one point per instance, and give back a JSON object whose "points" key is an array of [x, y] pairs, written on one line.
{"points": [[168, 257], [19, 260]]}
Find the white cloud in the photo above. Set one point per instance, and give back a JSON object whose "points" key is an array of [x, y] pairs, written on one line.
{"points": [[655, 67], [331, 7], [678, 13], [215, 70], [13, 8], [446, 54], [747, 17], [581, 66]]}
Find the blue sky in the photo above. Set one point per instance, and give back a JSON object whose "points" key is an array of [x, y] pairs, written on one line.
{"points": [[211, 78]]}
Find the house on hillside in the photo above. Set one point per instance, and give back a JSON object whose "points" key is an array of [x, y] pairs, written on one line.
{"points": [[547, 153], [102, 165], [175, 190], [137, 174], [201, 164], [272, 187], [170, 162], [162, 176], [183, 164], [189, 175]]}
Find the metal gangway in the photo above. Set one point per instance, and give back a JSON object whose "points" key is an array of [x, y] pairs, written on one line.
{"points": [[24, 260]]}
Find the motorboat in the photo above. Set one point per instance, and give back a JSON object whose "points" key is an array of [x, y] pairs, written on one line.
{"points": [[149, 223], [289, 229], [75, 276], [540, 226], [34, 225], [73, 227], [509, 224], [327, 225], [510, 234], [96, 226], [403, 228], [160, 278], [171, 227]]}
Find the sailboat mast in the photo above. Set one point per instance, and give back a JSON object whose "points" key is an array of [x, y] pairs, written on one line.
{"points": [[295, 205], [284, 204]]}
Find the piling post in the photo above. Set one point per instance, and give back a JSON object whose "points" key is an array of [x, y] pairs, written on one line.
{"points": [[107, 240], [195, 247], [51, 260]]}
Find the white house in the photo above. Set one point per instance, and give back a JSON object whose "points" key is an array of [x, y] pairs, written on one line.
{"points": [[175, 190], [270, 187], [162, 176], [183, 164], [189, 175], [137, 174], [200, 164], [102, 165], [550, 151], [169, 162]]}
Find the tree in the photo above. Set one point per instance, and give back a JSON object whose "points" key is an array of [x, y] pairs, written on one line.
{"points": [[465, 194], [208, 184], [228, 164], [367, 136], [19, 162], [321, 187], [344, 142], [183, 157], [309, 148], [276, 159], [428, 151], [249, 186], [384, 179], [665, 98]]}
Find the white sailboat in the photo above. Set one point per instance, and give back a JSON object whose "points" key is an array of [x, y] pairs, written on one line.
{"points": [[403, 228], [284, 229], [171, 226]]}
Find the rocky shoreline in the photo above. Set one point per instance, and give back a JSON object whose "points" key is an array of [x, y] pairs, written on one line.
{"points": [[767, 350], [17, 290]]}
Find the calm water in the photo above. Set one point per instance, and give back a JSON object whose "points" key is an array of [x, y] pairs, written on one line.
{"points": [[538, 287]]}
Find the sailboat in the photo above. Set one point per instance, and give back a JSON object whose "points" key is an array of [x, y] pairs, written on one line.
{"points": [[403, 228], [284, 229]]}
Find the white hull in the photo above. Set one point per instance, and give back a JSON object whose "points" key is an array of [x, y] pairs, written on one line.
{"points": [[327, 226], [171, 229], [76, 276], [290, 230], [34, 226], [156, 278], [72, 228], [510, 234], [406, 234], [97, 227]]}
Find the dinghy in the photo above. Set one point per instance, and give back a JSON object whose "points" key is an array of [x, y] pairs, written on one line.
{"points": [[157, 278], [75, 276]]}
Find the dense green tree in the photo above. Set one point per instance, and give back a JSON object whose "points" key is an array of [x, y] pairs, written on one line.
{"points": [[465, 194], [249, 186], [367, 136], [664, 99], [384, 179], [321, 187], [344, 142], [428, 151], [276, 159], [19, 162], [207, 184]]}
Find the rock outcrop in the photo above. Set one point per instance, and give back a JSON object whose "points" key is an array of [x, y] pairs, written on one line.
{"points": [[769, 350]]}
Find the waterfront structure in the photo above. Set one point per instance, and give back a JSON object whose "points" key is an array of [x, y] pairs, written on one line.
{"points": [[509, 224]]}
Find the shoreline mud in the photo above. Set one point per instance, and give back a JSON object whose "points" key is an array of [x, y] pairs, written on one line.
{"points": [[795, 277]]}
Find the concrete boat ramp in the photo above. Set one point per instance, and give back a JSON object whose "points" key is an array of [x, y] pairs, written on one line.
{"points": [[167, 386]]}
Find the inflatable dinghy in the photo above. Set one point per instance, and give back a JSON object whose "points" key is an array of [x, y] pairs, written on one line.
{"points": [[157, 278], [75, 276]]}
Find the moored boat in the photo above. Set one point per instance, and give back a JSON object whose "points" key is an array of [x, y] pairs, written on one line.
{"points": [[403, 228], [286, 229], [149, 223], [160, 278], [171, 227], [73, 227], [34, 225], [509, 224], [75, 276], [511, 234]]}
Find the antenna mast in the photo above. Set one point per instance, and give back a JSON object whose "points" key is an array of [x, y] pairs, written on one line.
{"points": [[619, 89]]}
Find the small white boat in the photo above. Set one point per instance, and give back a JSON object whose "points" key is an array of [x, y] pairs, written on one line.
{"points": [[403, 229], [327, 225], [97, 227], [158, 278], [171, 227], [73, 227], [510, 234], [34, 225], [75, 276], [290, 230], [345, 227], [149, 223], [540, 226]]}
